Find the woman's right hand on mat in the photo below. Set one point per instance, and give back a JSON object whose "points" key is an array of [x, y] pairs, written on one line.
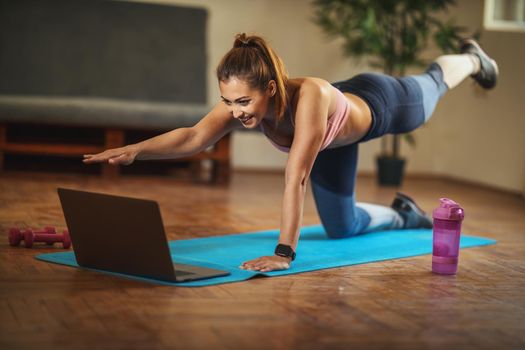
{"points": [[122, 155], [267, 263]]}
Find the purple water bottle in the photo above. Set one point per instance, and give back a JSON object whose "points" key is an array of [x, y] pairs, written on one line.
{"points": [[447, 230]]}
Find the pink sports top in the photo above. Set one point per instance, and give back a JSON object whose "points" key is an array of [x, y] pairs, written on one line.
{"points": [[336, 121]]}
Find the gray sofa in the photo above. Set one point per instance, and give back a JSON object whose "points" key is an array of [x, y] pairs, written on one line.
{"points": [[113, 65]]}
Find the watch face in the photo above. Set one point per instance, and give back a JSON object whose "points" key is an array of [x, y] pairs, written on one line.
{"points": [[285, 251]]}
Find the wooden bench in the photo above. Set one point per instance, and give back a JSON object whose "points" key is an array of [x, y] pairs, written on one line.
{"points": [[114, 119]]}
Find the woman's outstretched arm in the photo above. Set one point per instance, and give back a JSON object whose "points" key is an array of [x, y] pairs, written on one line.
{"points": [[310, 127], [177, 143]]}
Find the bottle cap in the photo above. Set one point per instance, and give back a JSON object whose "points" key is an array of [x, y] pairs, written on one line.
{"points": [[448, 210]]}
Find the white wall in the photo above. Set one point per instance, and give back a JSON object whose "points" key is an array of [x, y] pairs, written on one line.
{"points": [[473, 135]]}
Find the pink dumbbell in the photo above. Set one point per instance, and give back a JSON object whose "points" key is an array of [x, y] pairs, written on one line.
{"points": [[16, 236], [49, 236]]}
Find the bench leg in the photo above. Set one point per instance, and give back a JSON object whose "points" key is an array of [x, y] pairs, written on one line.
{"points": [[3, 141], [221, 165], [220, 172], [196, 169], [114, 139]]}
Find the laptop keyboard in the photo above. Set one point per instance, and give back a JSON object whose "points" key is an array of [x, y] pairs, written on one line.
{"points": [[183, 273]]}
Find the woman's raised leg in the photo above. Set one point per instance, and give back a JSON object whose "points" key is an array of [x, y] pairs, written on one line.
{"points": [[447, 71], [473, 62], [457, 68]]}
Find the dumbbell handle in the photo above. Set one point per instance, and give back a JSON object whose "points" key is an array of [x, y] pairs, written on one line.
{"points": [[50, 238], [47, 237], [46, 231]]}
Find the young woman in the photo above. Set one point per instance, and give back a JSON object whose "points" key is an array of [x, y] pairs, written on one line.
{"points": [[321, 125]]}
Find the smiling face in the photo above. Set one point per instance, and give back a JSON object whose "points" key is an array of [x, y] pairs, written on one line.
{"points": [[249, 106]]}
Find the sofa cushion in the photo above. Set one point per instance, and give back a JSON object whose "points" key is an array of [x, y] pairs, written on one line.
{"points": [[99, 112]]}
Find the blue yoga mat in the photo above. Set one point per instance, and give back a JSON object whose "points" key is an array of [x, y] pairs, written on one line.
{"points": [[315, 252]]}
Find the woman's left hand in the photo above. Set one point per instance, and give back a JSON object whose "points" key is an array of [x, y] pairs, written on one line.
{"points": [[267, 263]]}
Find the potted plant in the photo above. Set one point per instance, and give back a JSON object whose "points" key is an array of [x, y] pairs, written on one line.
{"points": [[392, 34]]}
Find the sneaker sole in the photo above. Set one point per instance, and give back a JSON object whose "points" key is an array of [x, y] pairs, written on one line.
{"points": [[411, 203], [415, 208], [476, 45]]}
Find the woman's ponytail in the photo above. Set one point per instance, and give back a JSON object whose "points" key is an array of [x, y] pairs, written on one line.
{"points": [[253, 60]]}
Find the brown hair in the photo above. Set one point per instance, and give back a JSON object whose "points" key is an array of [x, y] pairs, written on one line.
{"points": [[253, 60]]}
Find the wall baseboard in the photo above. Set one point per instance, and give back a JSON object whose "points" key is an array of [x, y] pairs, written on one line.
{"points": [[441, 177], [415, 176]]}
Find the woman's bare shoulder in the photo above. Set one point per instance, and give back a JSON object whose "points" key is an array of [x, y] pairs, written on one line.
{"points": [[309, 83], [313, 91]]}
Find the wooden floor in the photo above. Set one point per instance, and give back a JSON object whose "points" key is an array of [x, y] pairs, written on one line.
{"points": [[396, 304]]}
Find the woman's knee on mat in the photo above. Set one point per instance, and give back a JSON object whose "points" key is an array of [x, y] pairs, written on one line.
{"points": [[347, 226], [339, 231]]}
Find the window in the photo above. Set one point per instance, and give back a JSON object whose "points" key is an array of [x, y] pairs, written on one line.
{"points": [[506, 15]]}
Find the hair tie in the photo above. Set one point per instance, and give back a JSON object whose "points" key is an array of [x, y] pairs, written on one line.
{"points": [[244, 41]]}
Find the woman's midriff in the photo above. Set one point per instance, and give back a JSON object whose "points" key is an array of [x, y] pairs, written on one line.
{"points": [[357, 124]]}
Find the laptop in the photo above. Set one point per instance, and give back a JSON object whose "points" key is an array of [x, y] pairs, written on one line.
{"points": [[124, 235]]}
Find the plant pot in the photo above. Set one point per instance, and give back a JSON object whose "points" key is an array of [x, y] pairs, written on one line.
{"points": [[390, 170]]}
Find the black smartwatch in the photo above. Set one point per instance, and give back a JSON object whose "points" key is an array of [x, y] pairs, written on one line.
{"points": [[285, 251]]}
